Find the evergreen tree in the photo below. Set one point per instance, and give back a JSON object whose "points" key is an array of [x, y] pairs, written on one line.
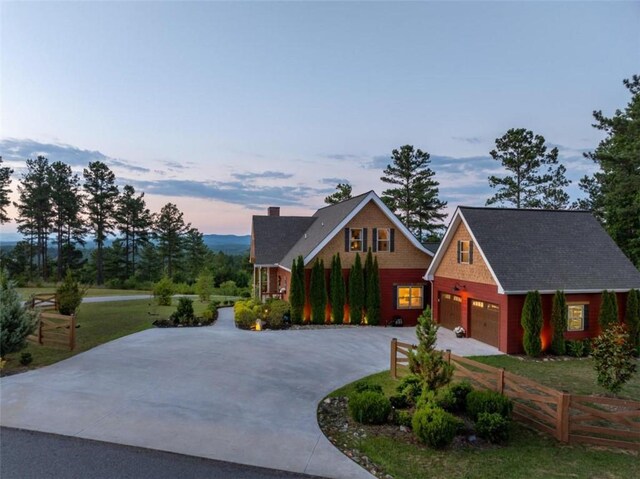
{"points": [[343, 193], [150, 266], [559, 317], [196, 253], [415, 197], [356, 291], [5, 182], [318, 293], [524, 155], [337, 290], [16, 321], [102, 194], [296, 293], [532, 324], [368, 269], [632, 319], [608, 310], [613, 190], [373, 295], [169, 230], [134, 223]]}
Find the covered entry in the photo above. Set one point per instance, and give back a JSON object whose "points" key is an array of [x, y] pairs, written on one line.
{"points": [[484, 323], [450, 310]]}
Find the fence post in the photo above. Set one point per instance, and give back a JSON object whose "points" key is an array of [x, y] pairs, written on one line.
{"points": [[562, 425], [447, 355], [72, 333], [500, 382], [394, 348], [39, 329]]}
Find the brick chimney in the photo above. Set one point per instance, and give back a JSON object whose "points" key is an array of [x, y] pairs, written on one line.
{"points": [[273, 211]]}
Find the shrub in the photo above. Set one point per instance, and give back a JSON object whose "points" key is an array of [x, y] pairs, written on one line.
{"points": [[399, 401], [460, 391], [183, 315], [426, 362], [69, 295], [356, 291], [163, 290], [275, 310], [204, 286], [373, 294], [410, 387], [369, 407], [318, 293], [613, 358], [229, 288], [297, 293], [183, 288], [489, 402], [162, 323], [434, 426], [442, 398], [16, 321], [493, 427], [608, 310], [25, 359], [558, 323], [246, 313], [209, 316], [362, 386], [338, 292], [632, 319], [402, 418], [531, 321], [578, 349]]}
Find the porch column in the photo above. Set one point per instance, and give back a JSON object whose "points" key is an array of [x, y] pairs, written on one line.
{"points": [[260, 283], [268, 280]]}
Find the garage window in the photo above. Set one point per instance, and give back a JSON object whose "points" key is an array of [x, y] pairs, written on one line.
{"points": [[410, 297], [577, 317]]}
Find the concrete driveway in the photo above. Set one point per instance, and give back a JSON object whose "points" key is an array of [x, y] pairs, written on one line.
{"points": [[215, 392]]}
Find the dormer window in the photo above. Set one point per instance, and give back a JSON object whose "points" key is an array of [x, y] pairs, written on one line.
{"points": [[465, 252], [355, 239]]}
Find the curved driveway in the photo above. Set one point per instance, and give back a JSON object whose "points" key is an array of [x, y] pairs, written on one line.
{"points": [[215, 392]]}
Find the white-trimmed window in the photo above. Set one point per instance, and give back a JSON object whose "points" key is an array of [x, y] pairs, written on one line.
{"points": [[576, 317], [410, 296], [464, 252], [383, 239], [355, 239]]}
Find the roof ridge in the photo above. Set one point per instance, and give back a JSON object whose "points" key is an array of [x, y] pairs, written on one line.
{"points": [[344, 201], [541, 210]]}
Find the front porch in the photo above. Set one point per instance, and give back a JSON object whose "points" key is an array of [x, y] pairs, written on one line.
{"points": [[268, 283]]}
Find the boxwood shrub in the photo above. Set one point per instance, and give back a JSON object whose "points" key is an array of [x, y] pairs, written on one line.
{"points": [[434, 426], [369, 407], [488, 402], [493, 427]]}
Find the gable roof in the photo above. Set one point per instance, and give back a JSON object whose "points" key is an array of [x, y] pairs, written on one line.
{"points": [[321, 228], [544, 250], [274, 236]]}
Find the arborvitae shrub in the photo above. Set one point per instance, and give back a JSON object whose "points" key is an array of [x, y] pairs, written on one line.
{"points": [[318, 293], [296, 294], [632, 320], [532, 324], [608, 310], [356, 292], [337, 291], [558, 323]]}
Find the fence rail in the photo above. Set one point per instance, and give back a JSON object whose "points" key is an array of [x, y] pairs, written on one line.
{"points": [[47, 300], [53, 329], [569, 418]]}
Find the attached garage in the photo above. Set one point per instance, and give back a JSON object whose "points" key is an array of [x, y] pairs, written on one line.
{"points": [[484, 322], [450, 310]]}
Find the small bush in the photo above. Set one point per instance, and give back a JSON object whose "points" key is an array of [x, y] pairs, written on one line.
{"points": [[208, 317], [461, 390], [398, 401], [246, 313], [25, 359], [410, 387], [402, 418], [162, 323], [362, 386], [369, 407], [493, 427], [435, 427], [579, 348], [490, 402], [163, 290], [69, 295], [442, 398], [229, 288], [183, 315], [275, 310], [613, 358]]}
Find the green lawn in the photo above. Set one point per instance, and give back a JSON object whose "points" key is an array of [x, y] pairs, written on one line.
{"points": [[91, 292], [100, 323], [573, 375], [529, 454]]}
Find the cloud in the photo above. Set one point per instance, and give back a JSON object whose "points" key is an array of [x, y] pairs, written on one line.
{"points": [[473, 140], [13, 149], [272, 175], [333, 181], [341, 156], [378, 162]]}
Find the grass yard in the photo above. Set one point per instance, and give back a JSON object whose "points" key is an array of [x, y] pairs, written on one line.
{"points": [[529, 454], [100, 323], [573, 375], [25, 293]]}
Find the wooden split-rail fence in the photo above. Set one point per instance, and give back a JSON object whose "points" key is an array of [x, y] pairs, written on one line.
{"points": [[570, 418], [53, 329]]}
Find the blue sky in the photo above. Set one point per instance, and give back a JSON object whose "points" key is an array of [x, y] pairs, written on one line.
{"points": [[225, 108]]}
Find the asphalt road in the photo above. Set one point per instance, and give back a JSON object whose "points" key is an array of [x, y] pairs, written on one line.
{"points": [[36, 455]]}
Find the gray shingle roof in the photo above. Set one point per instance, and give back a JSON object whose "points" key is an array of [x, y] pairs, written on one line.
{"points": [[274, 236], [549, 250]]}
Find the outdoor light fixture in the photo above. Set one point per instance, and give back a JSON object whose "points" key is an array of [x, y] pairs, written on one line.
{"points": [[459, 286]]}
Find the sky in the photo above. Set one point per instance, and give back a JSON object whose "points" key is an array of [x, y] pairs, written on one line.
{"points": [[227, 108]]}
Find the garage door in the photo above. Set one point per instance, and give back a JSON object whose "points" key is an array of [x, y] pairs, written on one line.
{"points": [[450, 310], [485, 322]]}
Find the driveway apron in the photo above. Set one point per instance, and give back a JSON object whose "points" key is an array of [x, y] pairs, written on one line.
{"points": [[215, 392]]}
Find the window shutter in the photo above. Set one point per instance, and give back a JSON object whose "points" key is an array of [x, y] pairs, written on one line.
{"points": [[395, 296], [586, 317], [470, 252], [364, 240], [392, 242], [424, 296], [458, 255], [346, 240], [374, 239]]}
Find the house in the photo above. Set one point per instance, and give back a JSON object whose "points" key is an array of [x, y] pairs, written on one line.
{"points": [[349, 228], [491, 257]]}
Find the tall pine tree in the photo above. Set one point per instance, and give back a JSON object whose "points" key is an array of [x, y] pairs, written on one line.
{"points": [[343, 192], [169, 230], [5, 182], [134, 223]]}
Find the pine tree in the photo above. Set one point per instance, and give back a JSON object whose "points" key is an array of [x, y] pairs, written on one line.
{"points": [[196, 253], [169, 230], [373, 295], [318, 293], [356, 291], [559, 316], [5, 191], [102, 194], [16, 321], [608, 310], [532, 324], [337, 290], [415, 197], [343, 192], [297, 294], [134, 223], [632, 319]]}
